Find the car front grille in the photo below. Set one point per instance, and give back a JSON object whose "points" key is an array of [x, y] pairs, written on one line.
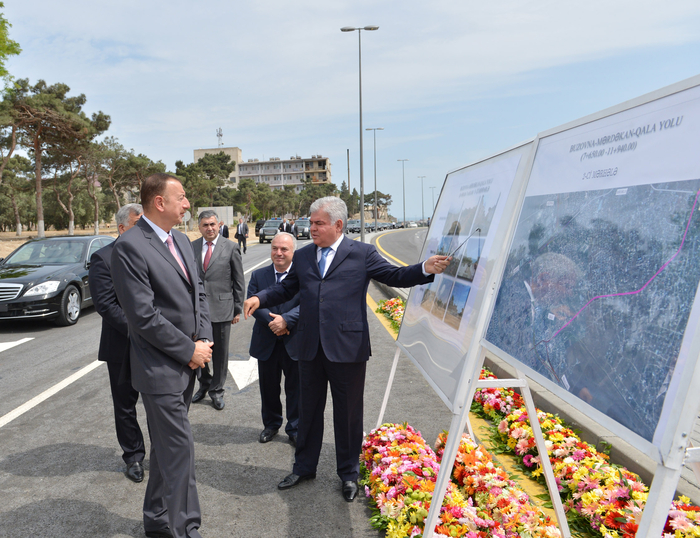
{"points": [[9, 291]]}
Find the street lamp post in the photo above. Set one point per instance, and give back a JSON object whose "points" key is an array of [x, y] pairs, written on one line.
{"points": [[375, 129], [362, 177], [433, 189], [403, 175], [422, 208]]}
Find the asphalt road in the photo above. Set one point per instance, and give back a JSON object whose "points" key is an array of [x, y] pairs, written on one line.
{"points": [[61, 472]]}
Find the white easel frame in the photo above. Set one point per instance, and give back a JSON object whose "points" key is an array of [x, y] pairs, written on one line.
{"points": [[457, 425]]}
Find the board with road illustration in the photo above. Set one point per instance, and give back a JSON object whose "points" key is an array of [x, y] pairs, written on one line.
{"points": [[598, 295]]}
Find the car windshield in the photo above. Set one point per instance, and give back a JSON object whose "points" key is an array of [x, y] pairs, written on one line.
{"points": [[48, 252], [353, 221], [273, 223], [302, 222]]}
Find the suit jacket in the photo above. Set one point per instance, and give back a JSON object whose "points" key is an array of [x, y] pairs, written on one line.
{"points": [[263, 340], [224, 231], [244, 230], [223, 281], [333, 310], [165, 313], [285, 227], [114, 340]]}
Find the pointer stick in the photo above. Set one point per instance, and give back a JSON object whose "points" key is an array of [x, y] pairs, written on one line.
{"points": [[462, 243]]}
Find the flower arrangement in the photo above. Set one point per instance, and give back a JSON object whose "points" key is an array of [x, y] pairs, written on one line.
{"points": [[597, 494], [399, 472], [393, 309]]}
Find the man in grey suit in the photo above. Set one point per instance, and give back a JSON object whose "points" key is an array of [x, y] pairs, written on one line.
{"points": [[242, 234], [221, 269], [156, 280]]}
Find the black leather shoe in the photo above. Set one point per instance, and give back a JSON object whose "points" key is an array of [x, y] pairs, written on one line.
{"points": [[292, 480], [349, 490], [134, 471], [266, 435], [199, 395], [293, 439], [162, 533], [217, 402]]}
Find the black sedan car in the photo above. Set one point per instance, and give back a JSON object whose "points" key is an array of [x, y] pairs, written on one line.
{"points": [[48, 278]]}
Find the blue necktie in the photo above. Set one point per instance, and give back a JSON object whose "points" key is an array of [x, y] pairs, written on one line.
{"points": [[322, 261], [279, 276]]}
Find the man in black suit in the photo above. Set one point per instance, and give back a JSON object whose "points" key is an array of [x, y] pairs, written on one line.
{"points": [[221, 270], [242, 234], [285, 227], [114, 348], [272, 344], [223, 229], [156, 280], [331, 277]]}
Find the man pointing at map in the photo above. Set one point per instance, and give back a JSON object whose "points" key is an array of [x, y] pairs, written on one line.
{"points": [[331, 277]]}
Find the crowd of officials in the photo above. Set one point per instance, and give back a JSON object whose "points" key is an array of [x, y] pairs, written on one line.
{"points": [[167, 306]]}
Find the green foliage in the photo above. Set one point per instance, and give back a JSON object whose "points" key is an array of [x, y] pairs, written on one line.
{"points": [[203, 178], [8, 47]]}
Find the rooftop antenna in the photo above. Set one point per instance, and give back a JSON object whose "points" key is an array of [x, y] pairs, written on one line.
{"points": [[220, 136]]}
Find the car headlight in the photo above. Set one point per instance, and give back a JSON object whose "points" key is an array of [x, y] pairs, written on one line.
{"points": [[44, 288]]}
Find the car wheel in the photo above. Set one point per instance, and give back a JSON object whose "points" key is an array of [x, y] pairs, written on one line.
{"points": [[69, 311], [262, 239]]}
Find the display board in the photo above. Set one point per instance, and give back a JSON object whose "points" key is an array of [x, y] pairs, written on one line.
{"points": [[597, 300], [468, 223]]}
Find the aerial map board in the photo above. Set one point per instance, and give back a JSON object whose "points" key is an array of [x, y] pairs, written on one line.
{"points": [[438, 323], [598, 296]]}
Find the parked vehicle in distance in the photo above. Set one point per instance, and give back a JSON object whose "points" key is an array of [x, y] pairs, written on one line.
{"points": [[269, 230], [48, 278], [259, 224], [353, 226], [412, 225], [303, 227]]}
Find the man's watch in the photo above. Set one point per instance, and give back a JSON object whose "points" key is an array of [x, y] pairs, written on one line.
{"points": [[205, 340]]}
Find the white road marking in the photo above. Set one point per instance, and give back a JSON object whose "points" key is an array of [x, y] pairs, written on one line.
{"points": [[257, 265], [19, 411], [4, 346], [244, 372]]}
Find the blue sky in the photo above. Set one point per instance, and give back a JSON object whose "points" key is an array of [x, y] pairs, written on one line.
{"points": [[449, 81]]}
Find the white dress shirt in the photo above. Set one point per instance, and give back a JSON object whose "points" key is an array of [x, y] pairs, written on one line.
{"points": [[205, 247], [329, 256]]}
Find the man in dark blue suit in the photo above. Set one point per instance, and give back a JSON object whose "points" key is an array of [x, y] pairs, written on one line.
{"points": [[114, 348], [272, 343], [331, 277]]}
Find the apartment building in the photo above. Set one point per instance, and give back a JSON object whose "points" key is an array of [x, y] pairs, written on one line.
{"points": [[278, 173]]}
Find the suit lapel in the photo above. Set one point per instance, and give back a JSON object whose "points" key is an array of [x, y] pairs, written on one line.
{"points": [[160, 247], [342, 252], [197, 248], [218, 250], [182, 244]]}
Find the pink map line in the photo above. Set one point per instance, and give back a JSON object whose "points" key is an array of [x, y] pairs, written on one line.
{"points": [[636, 291]]}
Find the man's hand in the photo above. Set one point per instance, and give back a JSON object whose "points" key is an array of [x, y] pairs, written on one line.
{"points": [[201, 355], [437, 264], [236, 319], [250, 306], [278, 325]]}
